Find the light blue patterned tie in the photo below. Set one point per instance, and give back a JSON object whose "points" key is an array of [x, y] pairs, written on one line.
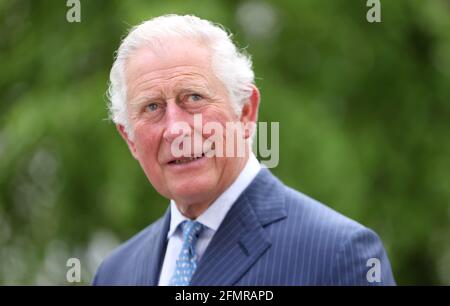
{"points": [[187, 260]]}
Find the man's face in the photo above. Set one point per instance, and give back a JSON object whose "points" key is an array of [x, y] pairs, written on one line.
{"points": [[169, 85]]}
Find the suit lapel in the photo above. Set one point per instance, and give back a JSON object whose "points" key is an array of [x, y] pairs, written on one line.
{"points": [[241, 239], [152, 257]]}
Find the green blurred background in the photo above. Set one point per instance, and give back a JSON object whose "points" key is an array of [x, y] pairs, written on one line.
{"points": [[364, 112]]}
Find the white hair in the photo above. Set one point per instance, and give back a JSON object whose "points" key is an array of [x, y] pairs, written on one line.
{"points": [[230, 65]]}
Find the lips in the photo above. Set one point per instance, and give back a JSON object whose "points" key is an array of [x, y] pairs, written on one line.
{"points": [[184, 160], [188, 159]]}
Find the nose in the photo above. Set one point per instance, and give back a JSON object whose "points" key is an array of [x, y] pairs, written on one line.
{"points": [[177, 122]]}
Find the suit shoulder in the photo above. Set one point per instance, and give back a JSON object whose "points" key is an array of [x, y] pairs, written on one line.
{"points": [[304, 211]]}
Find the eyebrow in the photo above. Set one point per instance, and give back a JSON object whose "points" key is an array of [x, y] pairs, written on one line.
{"points": [[137, 102], [182, 87]]}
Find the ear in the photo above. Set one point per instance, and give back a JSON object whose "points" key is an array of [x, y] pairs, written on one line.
{"points": [[249, 114], [130, 143]]}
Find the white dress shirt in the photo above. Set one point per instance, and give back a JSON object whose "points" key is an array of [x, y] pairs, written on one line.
{"points": [[211, 218]]}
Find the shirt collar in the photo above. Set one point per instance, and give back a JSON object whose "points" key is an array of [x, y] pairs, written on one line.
{"points": [[213, 216]]}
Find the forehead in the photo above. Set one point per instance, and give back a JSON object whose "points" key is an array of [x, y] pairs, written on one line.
{"points": [[172, 59]]}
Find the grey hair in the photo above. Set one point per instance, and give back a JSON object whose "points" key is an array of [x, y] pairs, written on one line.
{"points": [[230, 65]]}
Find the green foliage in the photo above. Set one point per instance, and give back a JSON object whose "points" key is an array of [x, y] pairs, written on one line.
{"points": [[364, 112]]}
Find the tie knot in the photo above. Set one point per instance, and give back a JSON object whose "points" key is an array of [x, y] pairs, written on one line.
{"points": [[191, 230]]}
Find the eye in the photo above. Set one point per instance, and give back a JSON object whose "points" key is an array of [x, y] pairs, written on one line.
{"points": [[152, 107], [194, 97]]}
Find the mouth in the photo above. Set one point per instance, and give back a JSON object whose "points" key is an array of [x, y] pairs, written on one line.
{"points": [[186, 160]]}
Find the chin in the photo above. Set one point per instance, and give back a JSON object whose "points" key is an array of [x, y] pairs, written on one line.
{"points": [[192, 189]]}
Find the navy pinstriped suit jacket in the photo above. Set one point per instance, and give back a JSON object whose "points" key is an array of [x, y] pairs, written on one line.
{"points": [[272, 235]]}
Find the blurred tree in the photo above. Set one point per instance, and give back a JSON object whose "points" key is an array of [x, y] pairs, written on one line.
{"points": [[363, 109]]}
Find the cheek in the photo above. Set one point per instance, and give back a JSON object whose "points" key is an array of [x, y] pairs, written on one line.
{"points": [[228, 143], [147, 140], [221, 115]]}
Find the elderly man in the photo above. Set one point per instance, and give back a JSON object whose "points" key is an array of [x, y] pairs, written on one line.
{"points": [[230, 222]]}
